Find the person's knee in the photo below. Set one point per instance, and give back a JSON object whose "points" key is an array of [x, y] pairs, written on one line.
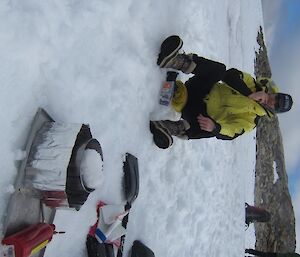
{"points": [[233, 73], [232, 76], [208, 69]]}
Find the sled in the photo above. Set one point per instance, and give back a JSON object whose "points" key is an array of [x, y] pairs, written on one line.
{"points": [[23, 209], [53, 169], [50, 175], [77, 191]]}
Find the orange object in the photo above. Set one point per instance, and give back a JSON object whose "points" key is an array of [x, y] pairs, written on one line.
{"points": [[30, 240]]}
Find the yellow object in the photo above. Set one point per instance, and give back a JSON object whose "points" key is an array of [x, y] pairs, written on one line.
{"points": [[249, 80], [269, 84], [180, 96], [234, 112], [39, 247]]}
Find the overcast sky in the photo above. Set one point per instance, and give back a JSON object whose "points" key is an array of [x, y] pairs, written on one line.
{"points": [[282, 32]]}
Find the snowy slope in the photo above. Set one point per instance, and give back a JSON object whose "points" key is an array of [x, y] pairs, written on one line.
{"points": [[94, 62]]}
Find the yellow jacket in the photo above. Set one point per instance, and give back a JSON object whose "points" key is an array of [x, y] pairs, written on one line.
{"points": [[233, 112], [268, 84]]}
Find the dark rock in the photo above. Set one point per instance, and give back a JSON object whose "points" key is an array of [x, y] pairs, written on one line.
{"points": [[271, 190]]}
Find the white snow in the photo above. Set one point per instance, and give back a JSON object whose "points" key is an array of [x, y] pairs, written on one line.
{"points": [[276, 177], [19, 155], [91, 168], [94, 62]]}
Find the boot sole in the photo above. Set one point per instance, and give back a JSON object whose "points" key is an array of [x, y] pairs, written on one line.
{"points": [[161, 137], [177, 45]]}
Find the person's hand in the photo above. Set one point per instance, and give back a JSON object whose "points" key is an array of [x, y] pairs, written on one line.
{"points": [[260, 96], [206, 123]]}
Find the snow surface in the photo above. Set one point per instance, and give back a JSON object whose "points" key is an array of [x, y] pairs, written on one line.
{"points": [[95, 62], [276, 176], [91, 168]]}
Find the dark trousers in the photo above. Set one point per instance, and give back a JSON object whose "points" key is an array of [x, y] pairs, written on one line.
{"points": [[260, 253], [206, 74]]}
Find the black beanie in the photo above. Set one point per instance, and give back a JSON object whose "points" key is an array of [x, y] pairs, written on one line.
{"points": [[283, 103]]}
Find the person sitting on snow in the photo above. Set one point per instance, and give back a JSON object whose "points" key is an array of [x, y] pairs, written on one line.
{"points": [[271, 254], [215, 102]]}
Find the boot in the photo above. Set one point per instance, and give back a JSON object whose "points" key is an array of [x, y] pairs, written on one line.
{"points": [[164, 130], [161, 136], [182, 62], [175, 128], [170, 58], [169, 49]]}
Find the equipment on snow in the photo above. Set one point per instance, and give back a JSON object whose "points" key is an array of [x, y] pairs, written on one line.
{"points": [[24, 206], [53, 168], [49, 176], [140, 250], [29, 240], [76, 189], [109, 225], [106, 237], [96, 249]]}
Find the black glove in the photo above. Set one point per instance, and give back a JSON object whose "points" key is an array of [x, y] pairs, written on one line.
{"points": [[171, 75]]}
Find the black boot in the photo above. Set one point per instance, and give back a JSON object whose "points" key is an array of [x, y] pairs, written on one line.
{"points": [[164, 130], [182, 62], [175, 128], [169, 49], [161, 136]]}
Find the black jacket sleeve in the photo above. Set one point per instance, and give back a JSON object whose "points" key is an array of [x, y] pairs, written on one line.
{"points": [[234, 79]]}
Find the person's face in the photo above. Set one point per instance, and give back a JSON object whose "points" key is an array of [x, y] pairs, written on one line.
{"points": [[271, 101]]}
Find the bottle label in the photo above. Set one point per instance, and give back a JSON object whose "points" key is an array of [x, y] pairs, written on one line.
{"points": [[166, 93]]}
